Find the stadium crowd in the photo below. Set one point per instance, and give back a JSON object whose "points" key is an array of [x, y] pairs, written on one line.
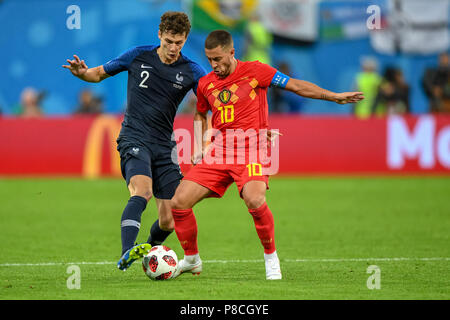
{"points": [[386, 92]]}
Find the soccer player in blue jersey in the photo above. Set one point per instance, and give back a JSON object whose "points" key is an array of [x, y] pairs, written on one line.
{"points": [[158, 79]]}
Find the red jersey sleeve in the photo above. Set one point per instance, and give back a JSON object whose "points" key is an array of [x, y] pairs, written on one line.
{"points": [[202, 103], [264, 73]]}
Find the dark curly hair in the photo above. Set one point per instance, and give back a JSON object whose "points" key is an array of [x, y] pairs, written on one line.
{"points": [[175, 22]]}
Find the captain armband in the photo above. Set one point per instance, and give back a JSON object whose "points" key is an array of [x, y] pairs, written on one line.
{"points": [[279, 80]]}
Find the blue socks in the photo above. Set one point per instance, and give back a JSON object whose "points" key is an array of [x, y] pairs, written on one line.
{"points": [[131, 221], [157, 235]]}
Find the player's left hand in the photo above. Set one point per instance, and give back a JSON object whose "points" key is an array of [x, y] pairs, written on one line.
{"points": [[196, 158], [348, 97]]}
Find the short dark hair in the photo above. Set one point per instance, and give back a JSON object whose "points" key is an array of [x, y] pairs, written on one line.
{"points": [[175, 22], [218, 38]]}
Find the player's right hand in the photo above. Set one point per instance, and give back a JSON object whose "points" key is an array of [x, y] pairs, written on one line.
{"points": [[77, 67]]}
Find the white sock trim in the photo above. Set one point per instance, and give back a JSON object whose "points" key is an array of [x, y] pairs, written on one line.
{"points": [[192, 258], [271, 255], [130, 223]]}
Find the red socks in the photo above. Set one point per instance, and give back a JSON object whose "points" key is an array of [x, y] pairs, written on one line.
{"points": [[186, 230], [265, 227]]}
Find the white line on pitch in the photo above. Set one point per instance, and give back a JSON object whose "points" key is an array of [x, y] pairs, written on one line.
{"points": [[368, 259], [233, 261], [334, 260], [45, 264]]}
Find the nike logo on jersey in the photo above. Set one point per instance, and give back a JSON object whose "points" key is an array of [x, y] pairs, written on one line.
{"points": [[144, 66]]}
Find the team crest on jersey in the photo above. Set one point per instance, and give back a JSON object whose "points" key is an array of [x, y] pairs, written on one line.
{"points": [[225, 95], [179, 77]]}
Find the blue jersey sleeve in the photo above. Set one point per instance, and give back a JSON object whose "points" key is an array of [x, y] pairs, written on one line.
{"points": [[199, 72], [122, 62], [279, 80]]}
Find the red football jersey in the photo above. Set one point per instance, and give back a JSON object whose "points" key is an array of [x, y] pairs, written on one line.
{"points": [[238, 101]]}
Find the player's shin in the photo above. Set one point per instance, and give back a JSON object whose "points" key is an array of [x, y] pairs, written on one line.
{"points": [[264, 224], [131, 221], [265, 227], [186, 230]]}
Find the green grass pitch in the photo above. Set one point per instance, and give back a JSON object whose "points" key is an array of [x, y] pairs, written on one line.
{"points": [[328, 232]]}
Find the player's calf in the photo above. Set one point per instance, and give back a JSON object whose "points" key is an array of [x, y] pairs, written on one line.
{"points": [[164, 226], [186, 230], [265, 227], [158, 234]]}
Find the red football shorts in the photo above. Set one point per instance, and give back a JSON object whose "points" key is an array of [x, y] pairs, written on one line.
{"points": [[218, 177]]}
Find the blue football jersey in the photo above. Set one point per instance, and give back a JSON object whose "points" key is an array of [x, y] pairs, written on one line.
{"points": [[155, 90]]}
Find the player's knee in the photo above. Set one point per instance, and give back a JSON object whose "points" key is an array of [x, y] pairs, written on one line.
{"points": [[176, 203], [141, 186], [179, 202], [254, 202], [144, 193]]}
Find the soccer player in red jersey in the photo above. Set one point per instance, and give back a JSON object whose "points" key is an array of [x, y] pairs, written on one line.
{"points": [[236, 93]]}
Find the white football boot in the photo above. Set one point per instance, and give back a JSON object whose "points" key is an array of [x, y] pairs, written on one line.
{"points": [[192, 264], [273, 270]]}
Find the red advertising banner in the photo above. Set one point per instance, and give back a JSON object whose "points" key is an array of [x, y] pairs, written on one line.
{"points": [[347, 145], [85, 146]]}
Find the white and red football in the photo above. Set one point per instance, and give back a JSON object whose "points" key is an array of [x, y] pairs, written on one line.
{"points": [[160, 263]]}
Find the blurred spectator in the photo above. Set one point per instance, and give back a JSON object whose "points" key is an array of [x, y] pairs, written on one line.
{"points": [[283, 100], [393, 94], [367, 81], [257, 44], [30, 103], [88, 103], [436, 82], [258, 41]]}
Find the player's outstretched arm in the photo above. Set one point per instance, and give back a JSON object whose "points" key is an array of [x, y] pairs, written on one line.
{"points": [[310, 90], [80, 69]]}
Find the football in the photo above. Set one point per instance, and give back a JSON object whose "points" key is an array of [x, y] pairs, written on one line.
{"points": [[160, 263]]}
